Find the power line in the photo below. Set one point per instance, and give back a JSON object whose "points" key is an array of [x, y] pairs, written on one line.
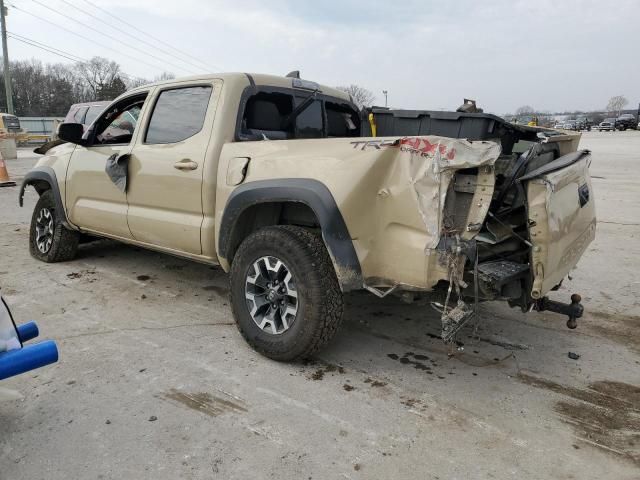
{"points": [[116, 39], [200, 67], [87, 38], [15, 37], [34, 43], [62, 53], [144, 33]]}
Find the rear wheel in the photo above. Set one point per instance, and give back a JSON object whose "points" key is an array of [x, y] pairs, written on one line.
{"points": [[284, 292], [49, 240]]}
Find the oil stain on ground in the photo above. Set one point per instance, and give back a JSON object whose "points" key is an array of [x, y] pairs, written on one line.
{"points": [[214, 288], [206, 403], [419, 362], [606, 414], [619, 327], [319, 373]]}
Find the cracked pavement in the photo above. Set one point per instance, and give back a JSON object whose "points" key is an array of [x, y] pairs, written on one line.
{"points": [[155, 382]]}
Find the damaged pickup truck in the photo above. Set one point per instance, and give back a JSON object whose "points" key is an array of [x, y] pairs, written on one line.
{"points": [[301, 197]]}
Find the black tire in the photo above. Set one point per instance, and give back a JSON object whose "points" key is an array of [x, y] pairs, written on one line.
{"points": [[63, 243], [319, 299]]}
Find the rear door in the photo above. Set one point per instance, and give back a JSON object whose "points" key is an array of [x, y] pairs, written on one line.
{"points": [[166, 165], [562, 219]]}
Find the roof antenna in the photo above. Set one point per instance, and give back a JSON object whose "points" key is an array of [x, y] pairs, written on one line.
{"points": [[294, 74]]}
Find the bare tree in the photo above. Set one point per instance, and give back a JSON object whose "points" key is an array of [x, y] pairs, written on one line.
{"points": [[525, 110], [41, 89], [133, 82], [616, 104], [102, 78], [164, 76], [49, 89], [360, 95]]}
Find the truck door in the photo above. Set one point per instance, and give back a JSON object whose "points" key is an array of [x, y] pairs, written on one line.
{"points": [[94, 202], [166, 167]]}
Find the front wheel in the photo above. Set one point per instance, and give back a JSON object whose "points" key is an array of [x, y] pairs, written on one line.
{"points": [[285, 295], [49, 240]]}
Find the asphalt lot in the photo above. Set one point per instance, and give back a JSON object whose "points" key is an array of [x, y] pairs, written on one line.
{"points": [[154, 382]]}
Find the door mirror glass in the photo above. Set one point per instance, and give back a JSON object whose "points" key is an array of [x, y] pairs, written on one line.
{"points": [[71, 132], [8, 334]]}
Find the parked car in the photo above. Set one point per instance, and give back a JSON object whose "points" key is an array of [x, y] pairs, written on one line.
{"points": [[583, 123], [608, 124], [285, 185], [626, 121], [85, 113], [570, 125]]}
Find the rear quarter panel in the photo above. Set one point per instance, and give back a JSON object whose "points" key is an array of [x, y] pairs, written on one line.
{"points": [[373, 189]]}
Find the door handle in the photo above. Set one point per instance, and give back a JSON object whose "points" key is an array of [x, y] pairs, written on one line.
{"points": [[185, 164]]}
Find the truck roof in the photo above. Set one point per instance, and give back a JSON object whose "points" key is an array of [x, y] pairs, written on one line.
{"points": [[259, 78]]}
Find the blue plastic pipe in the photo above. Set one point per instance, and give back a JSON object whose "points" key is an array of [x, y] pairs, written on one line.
{"points": [[28, 331], [27, 358]]}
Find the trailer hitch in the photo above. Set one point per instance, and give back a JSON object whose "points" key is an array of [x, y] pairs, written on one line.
{"points": [[573, 310]]}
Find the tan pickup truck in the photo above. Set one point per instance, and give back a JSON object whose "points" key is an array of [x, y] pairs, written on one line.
{"points": [[301, 197]]}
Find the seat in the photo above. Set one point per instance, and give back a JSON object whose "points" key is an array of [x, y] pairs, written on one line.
{"points": [[264, 120]]}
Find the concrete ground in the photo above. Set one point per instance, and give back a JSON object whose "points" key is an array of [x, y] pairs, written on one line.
{"points": [[154, 381]]}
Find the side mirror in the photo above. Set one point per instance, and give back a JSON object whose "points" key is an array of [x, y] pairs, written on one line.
{"points": [[71, 132]]}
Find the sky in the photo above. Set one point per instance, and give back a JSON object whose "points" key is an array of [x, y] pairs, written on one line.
{"points": [[428, 54]]}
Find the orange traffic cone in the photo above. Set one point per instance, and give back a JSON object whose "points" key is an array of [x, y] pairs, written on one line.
{"points": [[5, 181]]}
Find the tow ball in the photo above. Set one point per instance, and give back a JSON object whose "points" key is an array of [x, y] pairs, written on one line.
{"points": [[573, 310]]}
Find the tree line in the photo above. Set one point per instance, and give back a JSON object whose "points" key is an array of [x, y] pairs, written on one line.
{"points": [[49, 89], [614, 108]]}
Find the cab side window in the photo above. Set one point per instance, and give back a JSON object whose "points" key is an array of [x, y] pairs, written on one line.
{"points": [[280, 114], [342, 121], [264, 117], [117, 125], [178, 114]]}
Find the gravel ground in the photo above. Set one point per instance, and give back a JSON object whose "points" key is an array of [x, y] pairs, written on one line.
{"points": [[154, 381]]}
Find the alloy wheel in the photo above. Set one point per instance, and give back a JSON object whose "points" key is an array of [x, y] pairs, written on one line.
{"points": [[271, 295], [44, 230]]}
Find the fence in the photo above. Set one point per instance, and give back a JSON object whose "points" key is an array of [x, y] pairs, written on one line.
{"points": [[39, 129]]}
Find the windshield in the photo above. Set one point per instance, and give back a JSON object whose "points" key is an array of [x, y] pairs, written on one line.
{"points": [[92, 113]]}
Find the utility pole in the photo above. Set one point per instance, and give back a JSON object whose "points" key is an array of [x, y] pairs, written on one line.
{"points": [[384, 92], [5, 58]]}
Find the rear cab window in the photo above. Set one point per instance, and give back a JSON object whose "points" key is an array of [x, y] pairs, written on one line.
{"points": [[310, 123], [266, 114]]}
